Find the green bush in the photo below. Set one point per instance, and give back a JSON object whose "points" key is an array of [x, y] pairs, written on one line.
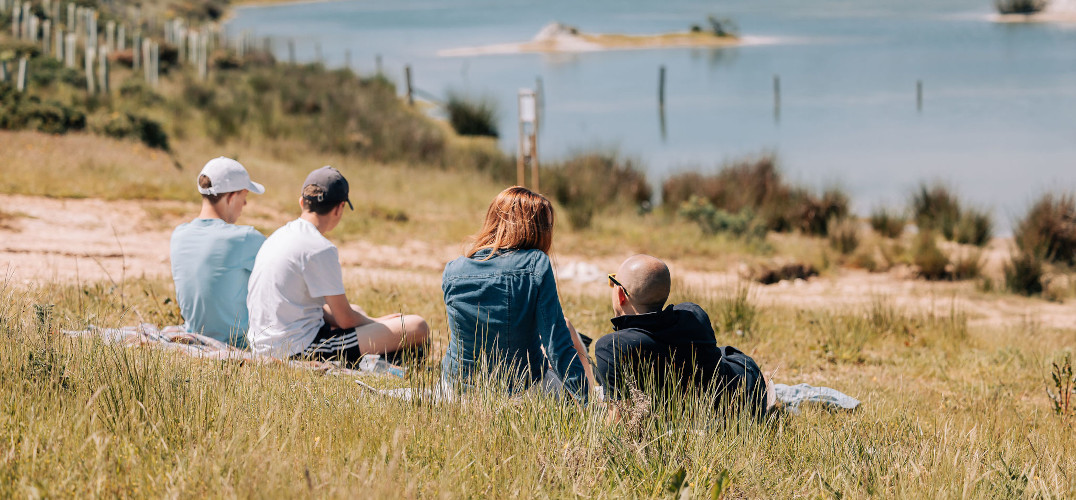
{"points": [[44, 71], [843, 235], [716, 221], [1049, 229], [932, 262], [975, 227], [887, 223], [472, 116], [756, 184], [589, 182], [1023, 273], [19, 111], [935, 208], [122, 125]]}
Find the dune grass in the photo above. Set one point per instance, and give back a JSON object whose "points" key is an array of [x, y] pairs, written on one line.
{"points": [[949, 410]]}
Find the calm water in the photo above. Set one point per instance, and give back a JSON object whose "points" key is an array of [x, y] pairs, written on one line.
{"points": [[998, 118]]}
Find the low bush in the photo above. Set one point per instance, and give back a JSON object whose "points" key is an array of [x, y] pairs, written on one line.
{"points": [[1023, 273], [472, 116], [843, 235], [932, 263], [716, 221], [44, 71], [1049, 229], [887, 222], [19, 111], [967, 264], [975, 227], [589, 182], [756, 185], [935, 208], [125, 125]]}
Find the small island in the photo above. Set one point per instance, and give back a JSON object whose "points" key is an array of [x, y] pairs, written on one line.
{"points": [[561, 38]]}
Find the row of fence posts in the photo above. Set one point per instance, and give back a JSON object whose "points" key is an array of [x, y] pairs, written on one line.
{"points": [[77, 42]]}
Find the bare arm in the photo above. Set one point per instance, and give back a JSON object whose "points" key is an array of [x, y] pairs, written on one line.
{"points": [[583, 358], [339, 313]]}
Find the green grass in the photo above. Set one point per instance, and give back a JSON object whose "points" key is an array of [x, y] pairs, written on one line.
{"points": [[949, 410]]}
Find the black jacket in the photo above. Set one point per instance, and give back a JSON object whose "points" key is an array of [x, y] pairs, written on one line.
{"points": [[674, 348]]}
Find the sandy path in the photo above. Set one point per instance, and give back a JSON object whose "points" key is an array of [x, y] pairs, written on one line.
{"points": [[57, 240]]}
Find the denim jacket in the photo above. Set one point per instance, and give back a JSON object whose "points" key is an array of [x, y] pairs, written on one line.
{"points": [[506, 309]]}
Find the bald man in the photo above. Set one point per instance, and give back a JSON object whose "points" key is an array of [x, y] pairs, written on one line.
{"points": [[655, 347]]}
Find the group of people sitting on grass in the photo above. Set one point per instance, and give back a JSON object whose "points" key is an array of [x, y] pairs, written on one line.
{"points": [[283, 296]]}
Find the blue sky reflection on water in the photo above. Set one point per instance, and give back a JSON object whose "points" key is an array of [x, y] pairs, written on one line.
{"points": [[998, 120]]}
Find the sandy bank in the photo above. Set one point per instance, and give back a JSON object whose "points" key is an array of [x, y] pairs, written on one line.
{"points": [[558, 38]]}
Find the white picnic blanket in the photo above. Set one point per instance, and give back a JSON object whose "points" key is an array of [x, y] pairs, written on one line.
{"points": [[175, 338]]}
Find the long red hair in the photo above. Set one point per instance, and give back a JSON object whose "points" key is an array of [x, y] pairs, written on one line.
{"points": [[518, 219]]}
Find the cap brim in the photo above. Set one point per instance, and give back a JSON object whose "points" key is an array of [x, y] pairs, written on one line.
{"points": [[256, 188], [349, 204]]}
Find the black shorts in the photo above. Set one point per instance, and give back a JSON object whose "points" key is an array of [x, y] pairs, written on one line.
{"points": [[331, 344]]}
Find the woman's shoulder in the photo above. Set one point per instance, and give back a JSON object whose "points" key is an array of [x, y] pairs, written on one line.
{"points": [[501, 261]]}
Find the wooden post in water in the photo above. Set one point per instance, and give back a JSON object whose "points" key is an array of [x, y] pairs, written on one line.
{"points": [[919, 95], [377, 60], [410, 90], [91, 84], [291, 51], [661, 87], [776, 97], [20, 84]]}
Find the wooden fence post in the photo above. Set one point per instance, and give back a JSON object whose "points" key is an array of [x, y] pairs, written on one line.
{"points": [[410, 90], [91, 83], [291, 51], [919, 95], [661, 87], [776, 97], [70, 46], [103, 71], [21, 83]]}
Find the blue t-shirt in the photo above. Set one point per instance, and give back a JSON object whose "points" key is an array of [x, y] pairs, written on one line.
{"points": [[211, 264]]}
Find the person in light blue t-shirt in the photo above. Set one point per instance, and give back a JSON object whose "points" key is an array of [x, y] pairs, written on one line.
{"points": [[212, 256]]}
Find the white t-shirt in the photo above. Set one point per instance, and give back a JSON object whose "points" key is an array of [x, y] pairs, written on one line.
{"points": [[296, 268]]}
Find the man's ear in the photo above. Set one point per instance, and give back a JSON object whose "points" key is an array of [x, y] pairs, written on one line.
{"points": [[340, 209], [621, 295]]}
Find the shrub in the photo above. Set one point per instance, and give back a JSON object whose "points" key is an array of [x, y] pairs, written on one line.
{"points": [[756, 184], [975, 227], [122, 125], [1019, 6], [887, 223], [44, 71], [843, 235], [931, 261], [716, 221], [19, 111], [1023, 273], [736, 312], [588, 182], [1049, 229], [967, 264], [935, 208], [472, 116]]}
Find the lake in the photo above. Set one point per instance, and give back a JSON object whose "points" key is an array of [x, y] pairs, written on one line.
{"points": [[998, 119]]}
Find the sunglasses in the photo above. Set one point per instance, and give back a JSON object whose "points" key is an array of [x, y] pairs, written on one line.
{"points": [[613, 282]]}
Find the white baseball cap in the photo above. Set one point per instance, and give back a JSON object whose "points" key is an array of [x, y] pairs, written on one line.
{"points": [[227, 176]]}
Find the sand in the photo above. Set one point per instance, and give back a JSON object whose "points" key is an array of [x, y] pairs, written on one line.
{"points": [[557, 38]]}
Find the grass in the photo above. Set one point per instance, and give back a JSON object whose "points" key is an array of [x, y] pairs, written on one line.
{"points": [[472, 116], [950, 410], [1049, 229]]}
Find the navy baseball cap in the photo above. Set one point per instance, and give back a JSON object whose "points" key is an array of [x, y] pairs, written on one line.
{"points": [[334, 188]]}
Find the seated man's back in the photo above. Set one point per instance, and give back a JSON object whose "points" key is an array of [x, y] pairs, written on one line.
{"points": [[212, 257], [659, 348]]}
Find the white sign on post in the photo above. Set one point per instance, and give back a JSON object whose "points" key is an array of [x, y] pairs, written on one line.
{"points": [[528, 111]]}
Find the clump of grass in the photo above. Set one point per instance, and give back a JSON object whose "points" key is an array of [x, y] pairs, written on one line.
{"points": [[1023, 273], [1049, 229], [1063, 391], [931, 262], [1019, 6], [586, 183], [975, 227], [472, 116], [935, 208], [844, 235], [887, 222], [733, 310], [755, 184], [843, 336], [967, 264], [20, 111]]}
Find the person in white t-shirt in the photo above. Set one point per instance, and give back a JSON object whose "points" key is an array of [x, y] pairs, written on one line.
{"points": [[296, 297]]}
